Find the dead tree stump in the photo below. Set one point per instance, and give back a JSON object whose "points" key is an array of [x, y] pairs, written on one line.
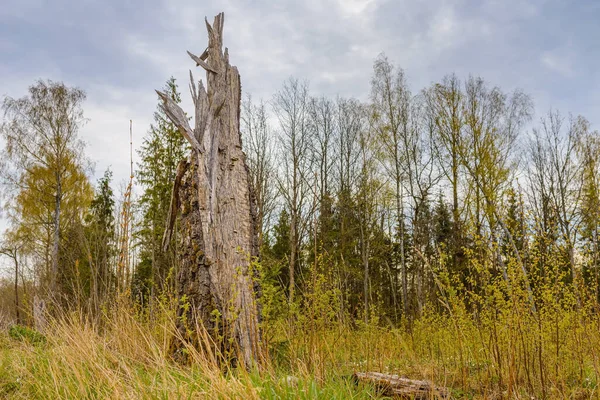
{"points": [[218, 232]]}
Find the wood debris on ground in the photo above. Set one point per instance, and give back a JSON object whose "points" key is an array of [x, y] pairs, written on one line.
{"points": [[399, 387]]}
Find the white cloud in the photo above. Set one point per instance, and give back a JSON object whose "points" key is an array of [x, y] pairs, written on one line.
{"points": [[558, 61]]}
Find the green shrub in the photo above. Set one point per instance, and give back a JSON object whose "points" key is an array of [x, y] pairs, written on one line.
{"points": [[25, 334]]}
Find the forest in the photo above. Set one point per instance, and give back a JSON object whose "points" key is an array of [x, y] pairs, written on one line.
{"points": [[443, 234]]}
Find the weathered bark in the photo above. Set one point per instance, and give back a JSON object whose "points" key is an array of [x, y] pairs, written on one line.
{"points": [[39, 313], [218, 221], [397, 387]]}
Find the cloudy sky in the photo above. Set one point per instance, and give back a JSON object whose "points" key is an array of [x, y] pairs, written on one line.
{"points": [[118, 51]]}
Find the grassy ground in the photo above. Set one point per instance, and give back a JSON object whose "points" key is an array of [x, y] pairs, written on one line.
{"points": [[504, 351], [73, 361]]}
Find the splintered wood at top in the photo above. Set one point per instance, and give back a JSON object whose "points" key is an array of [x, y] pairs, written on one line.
{"points": [[395, 386]]}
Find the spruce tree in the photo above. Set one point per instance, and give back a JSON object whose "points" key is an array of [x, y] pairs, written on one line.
{"points": [[100, 235], [162, 149]]}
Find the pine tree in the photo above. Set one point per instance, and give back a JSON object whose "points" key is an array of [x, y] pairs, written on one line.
{"points": [[162, 149]]}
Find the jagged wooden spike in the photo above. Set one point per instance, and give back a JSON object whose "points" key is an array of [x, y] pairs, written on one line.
{"points": [[178, 117], [202, 63], [193, 91], [208, 27]]}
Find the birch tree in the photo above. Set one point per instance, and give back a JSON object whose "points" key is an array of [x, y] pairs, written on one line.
{"points": [[290, 105], [391, 108], [260, 149], [45, 163]]}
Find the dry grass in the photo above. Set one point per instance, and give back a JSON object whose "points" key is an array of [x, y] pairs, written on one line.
{"points": [[502, 350], [128, 359]]}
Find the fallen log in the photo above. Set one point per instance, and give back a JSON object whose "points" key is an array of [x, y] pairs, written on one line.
{"points": [[404, 388]]}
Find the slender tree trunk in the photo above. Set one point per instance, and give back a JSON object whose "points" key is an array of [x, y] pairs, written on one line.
{"points": [[17, 311], [56, 238], [367, 281], [95, 294], [25, 319], [595, 265], [456, 228], [400, 212], [365, 261], [219, 233], [293, 256]]}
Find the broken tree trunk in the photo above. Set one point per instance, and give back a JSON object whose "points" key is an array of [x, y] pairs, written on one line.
{"points": [[218, 234], [395, 386]]}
